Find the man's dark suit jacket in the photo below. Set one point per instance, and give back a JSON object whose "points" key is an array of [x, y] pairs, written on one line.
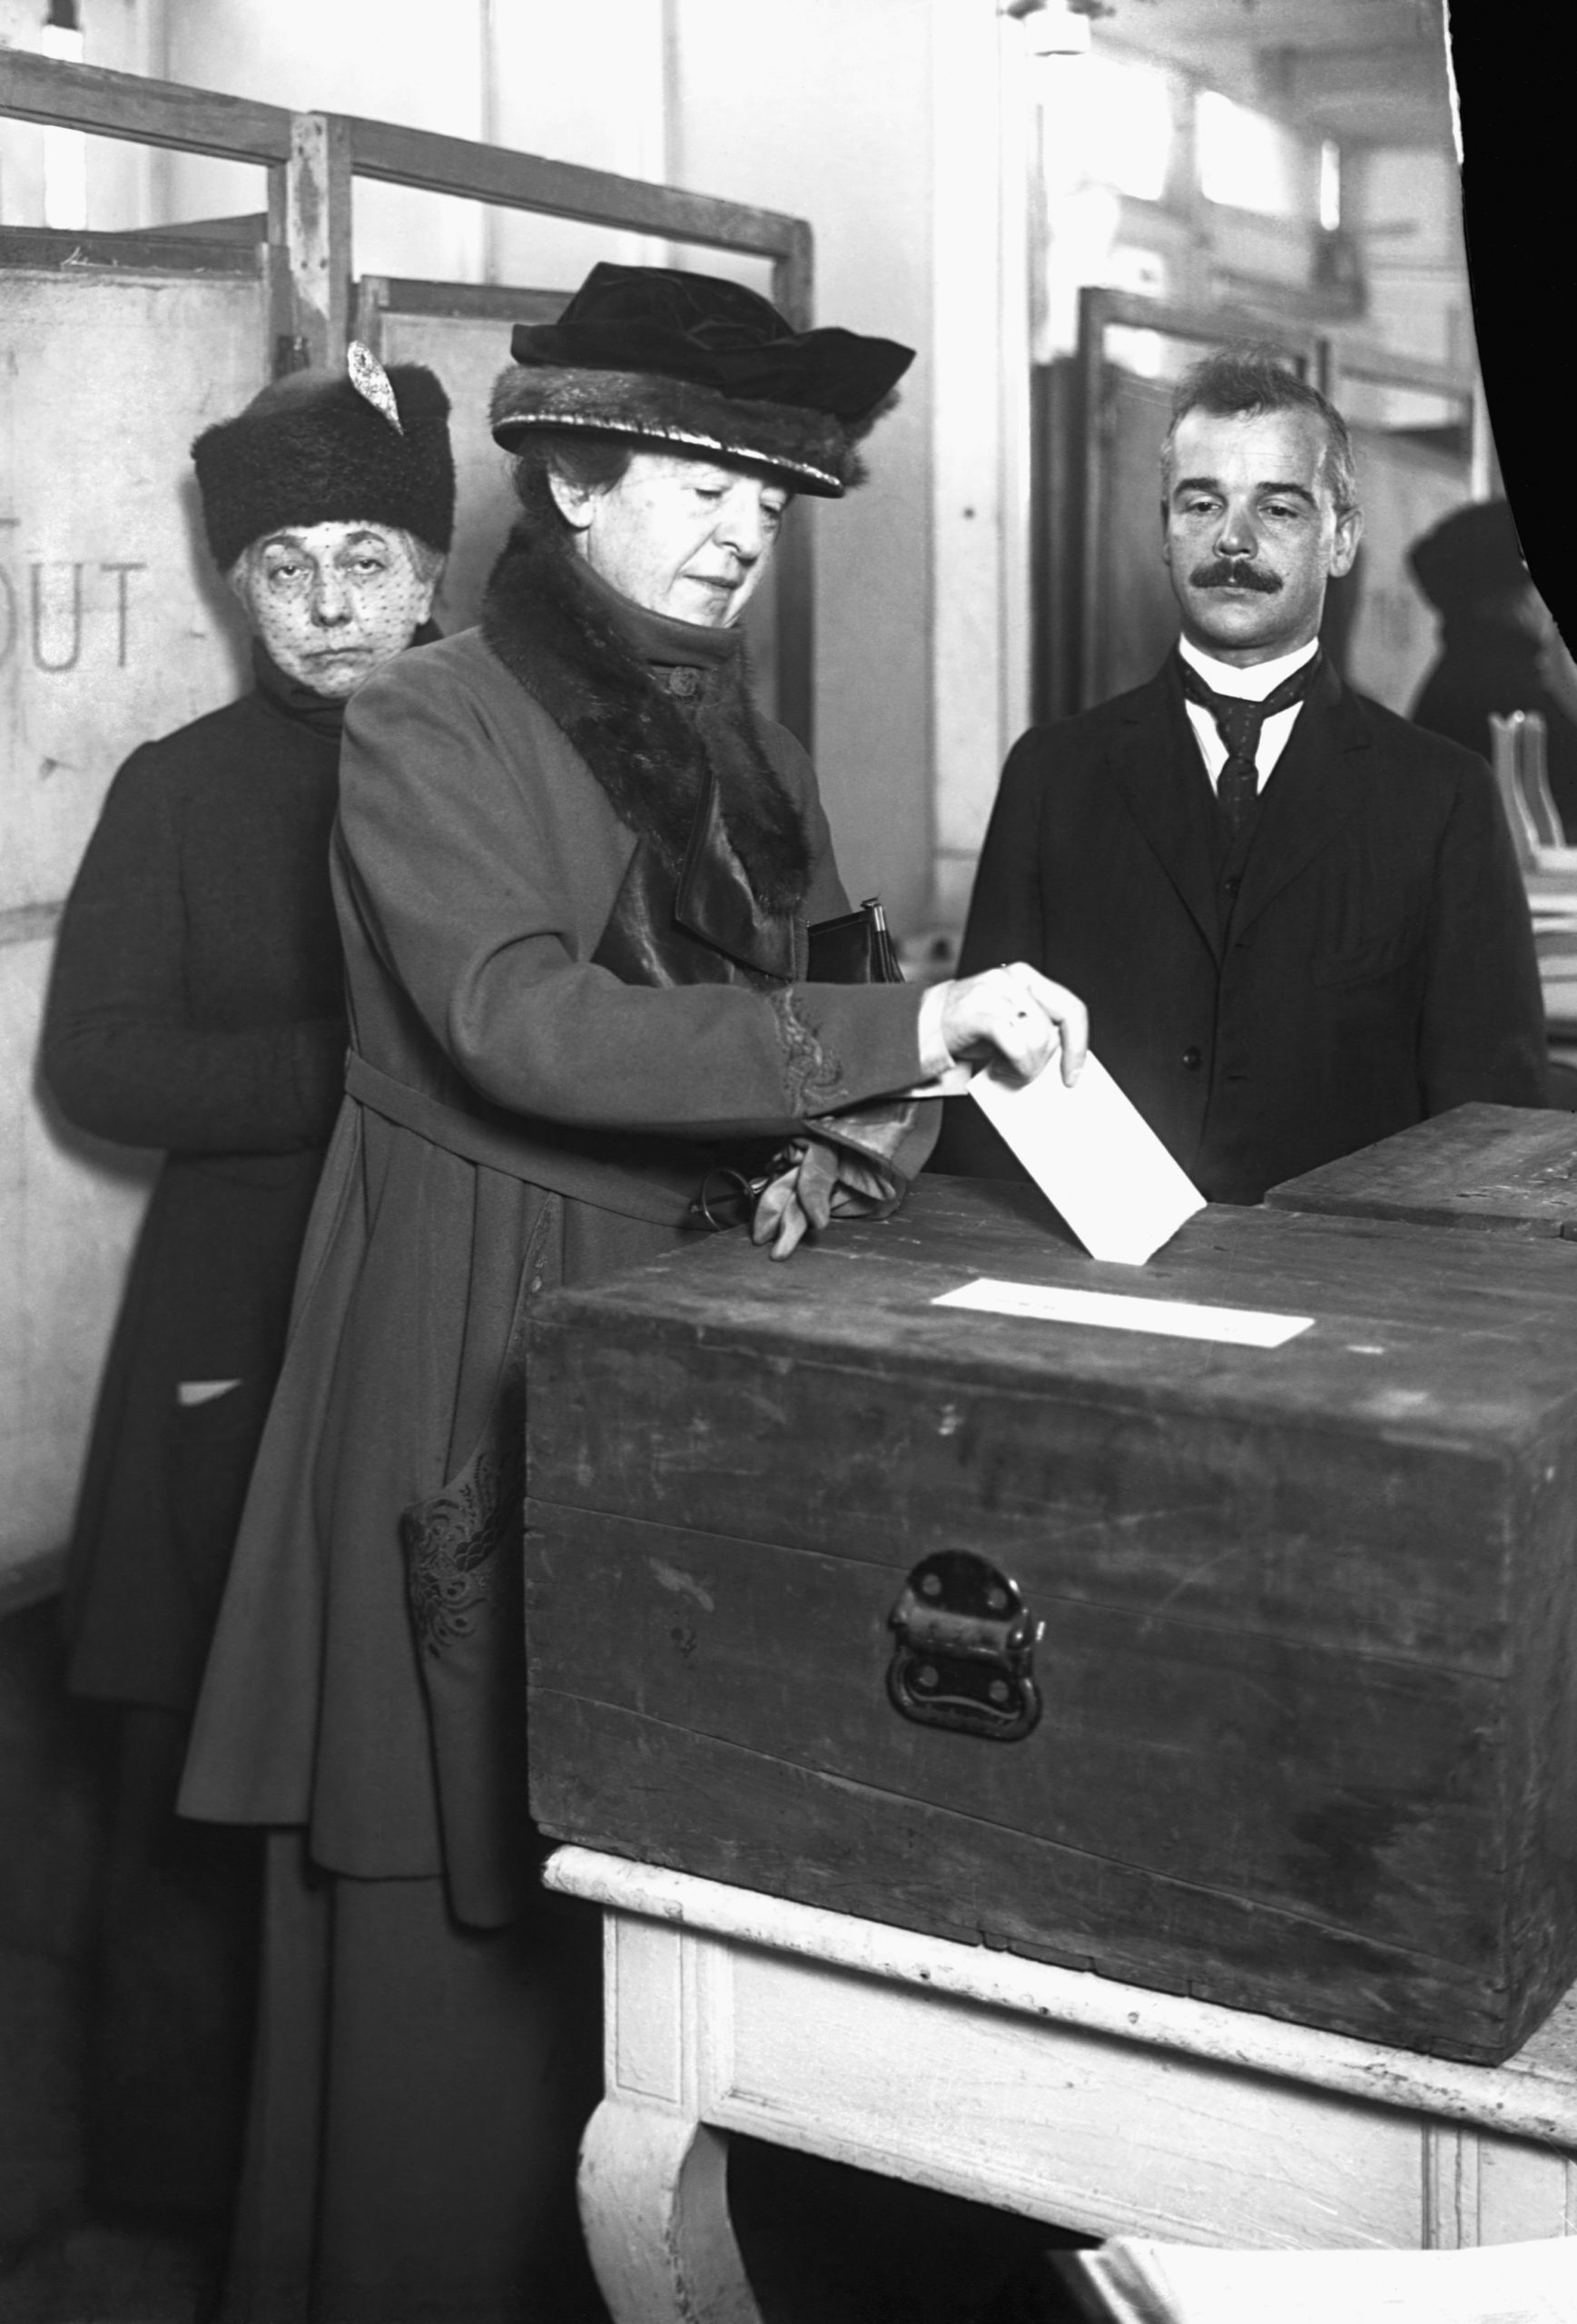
{"points": [[1377, 965]]}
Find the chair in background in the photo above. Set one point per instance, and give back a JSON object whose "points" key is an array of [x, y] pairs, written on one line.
{"points": [[1520, 746]]}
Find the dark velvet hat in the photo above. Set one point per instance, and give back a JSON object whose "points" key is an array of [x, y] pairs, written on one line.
{"points": [[1471, 555], [693, 363], [321, 447]]}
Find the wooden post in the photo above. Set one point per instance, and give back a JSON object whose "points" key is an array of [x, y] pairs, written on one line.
{"points": [[794, 274], [318, 239], [793, 295], [284, 352], [371, 306], [1092, 425], [1320, 366]]}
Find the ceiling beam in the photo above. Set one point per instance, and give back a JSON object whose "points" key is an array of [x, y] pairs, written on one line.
{"points": [[1392, 96]]}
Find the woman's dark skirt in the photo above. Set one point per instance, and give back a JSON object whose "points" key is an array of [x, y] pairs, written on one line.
{"points": [[418, 2099]]}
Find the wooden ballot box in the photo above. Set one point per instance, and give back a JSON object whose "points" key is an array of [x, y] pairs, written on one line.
{"points": [[1503, 1169], [1244, 1670]]}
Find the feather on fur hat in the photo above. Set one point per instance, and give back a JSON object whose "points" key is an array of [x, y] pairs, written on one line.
{"points": [[691, 363], [323, 447]]}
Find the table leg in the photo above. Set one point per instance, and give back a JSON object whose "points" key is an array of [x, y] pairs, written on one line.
{"points": [[654, 2202]]}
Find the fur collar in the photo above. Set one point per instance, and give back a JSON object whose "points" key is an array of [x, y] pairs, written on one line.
{"points": [[562, 639]]}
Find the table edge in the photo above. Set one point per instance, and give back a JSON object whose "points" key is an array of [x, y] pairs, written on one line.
{"points": [[1514, 2101]]}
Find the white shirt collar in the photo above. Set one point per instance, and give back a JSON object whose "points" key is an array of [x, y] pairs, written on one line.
{"points": [[1250, 684]]}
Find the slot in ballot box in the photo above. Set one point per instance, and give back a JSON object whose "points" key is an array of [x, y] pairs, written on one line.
{"points": [[1244, 1670]]}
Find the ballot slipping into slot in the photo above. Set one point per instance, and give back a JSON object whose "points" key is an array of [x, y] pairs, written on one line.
{"points": [[1092, 1154]]}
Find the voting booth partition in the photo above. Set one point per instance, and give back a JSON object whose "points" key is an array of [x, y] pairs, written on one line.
{"points": [[1106, 614], [114, 629]]}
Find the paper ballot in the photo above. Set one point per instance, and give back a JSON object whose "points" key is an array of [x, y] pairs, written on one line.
{"points": [[1092, 1154], [1132, 2281], [1113, 1310]]}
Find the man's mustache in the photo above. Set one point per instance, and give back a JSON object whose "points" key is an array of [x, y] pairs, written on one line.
{"points": [[1224, 572]]}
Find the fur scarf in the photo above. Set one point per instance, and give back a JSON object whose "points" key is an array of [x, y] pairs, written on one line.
{"points": [[562, 639]]}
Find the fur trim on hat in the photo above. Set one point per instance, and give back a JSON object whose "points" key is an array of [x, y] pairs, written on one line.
{"points": [[557, 638], [326, 455], [813, 449]]}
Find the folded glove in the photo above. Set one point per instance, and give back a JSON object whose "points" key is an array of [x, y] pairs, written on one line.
{"points": [[816, 1181]]}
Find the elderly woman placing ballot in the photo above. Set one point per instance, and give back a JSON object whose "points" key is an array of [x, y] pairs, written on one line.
{"points": [[575, 872]]}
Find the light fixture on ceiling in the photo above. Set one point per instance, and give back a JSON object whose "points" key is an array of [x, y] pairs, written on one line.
{"points": [[1055, 27]]}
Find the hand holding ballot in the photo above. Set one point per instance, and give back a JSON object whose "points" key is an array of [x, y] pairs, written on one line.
{"points": [[1015, 1015], [1011, 1017], [1092, 1154]]}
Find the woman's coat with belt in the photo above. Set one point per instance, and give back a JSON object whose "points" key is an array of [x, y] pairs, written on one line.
{"points": [[526, 1118]]}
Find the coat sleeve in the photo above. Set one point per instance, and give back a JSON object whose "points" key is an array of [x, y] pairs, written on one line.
{"points": [[1482, 1036], [121, 1054], [468, 848]]}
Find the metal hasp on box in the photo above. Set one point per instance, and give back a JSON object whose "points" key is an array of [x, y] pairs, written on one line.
{"points": [[1300, 1621]]}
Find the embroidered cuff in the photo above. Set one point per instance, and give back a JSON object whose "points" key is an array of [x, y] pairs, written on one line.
{"points": [[813, 1076]]}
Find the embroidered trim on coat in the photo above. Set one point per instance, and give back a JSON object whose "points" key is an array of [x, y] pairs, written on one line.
{"points": [[452, 1541], [813, 1076]]}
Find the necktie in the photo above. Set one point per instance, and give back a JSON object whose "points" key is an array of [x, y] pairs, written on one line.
{"points": [[1239, 725]]}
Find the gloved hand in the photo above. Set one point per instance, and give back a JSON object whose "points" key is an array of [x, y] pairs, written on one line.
{"points": [[815, 1182]]}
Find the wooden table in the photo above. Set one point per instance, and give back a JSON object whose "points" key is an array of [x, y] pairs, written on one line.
{"points": [[1068, 2097]]}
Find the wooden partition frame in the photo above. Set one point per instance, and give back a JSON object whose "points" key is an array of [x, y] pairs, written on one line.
{"points": [[311, 160]]}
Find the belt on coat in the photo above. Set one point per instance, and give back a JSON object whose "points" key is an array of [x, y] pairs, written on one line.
{"points": [[662, 1191]]}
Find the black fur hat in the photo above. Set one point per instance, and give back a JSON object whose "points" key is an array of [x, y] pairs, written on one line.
{"points": [[693, 363], [320, 446]]}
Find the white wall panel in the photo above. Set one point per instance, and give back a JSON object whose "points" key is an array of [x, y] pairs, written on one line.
{"points": [[113, 629], [824, 110]]}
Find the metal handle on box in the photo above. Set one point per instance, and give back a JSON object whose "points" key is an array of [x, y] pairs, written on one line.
{"points": [[965, 1650]]}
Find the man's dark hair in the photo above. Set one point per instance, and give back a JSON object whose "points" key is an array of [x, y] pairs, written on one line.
{"points": [[1252, 376], [593, 462]]}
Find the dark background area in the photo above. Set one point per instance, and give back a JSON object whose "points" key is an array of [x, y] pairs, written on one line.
{"points": [[1519, 132]]}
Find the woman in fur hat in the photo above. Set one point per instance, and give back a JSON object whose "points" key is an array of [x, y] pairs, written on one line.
{"points": [[197, 1006], [575, 871]]}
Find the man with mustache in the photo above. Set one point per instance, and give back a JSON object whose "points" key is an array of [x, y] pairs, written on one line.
{"points": [[1296, 918]]}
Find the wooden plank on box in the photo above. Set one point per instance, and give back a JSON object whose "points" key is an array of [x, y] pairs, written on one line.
{"points": [[1502, 1170]]}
